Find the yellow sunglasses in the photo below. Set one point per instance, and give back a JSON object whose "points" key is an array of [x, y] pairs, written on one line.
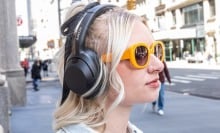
{"points": [[139, 54]]}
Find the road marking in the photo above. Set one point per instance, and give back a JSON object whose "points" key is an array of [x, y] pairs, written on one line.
{"points": [[186, 79], [215, 74], [172, 84], [181, 81], [203, 76], [212, 75], [189, 78]]}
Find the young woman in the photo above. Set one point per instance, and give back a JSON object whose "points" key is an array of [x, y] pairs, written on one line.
{"points": [[127, 69]]}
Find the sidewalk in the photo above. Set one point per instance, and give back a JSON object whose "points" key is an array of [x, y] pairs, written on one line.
{"points": [[183, 113], [52, 75], [36, 116], [185, 64]]}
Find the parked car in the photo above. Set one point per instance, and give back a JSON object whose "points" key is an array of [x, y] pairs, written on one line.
{"points": [[198, 58]]}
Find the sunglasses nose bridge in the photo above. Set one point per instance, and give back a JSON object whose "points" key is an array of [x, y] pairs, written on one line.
{"points": [[151, 50]]}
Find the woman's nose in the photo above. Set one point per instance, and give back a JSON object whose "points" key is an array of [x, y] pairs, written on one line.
{"points": [[155, 64]]}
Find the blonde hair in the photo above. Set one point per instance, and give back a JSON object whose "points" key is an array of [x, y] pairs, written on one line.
{"points": [[109, 33]]}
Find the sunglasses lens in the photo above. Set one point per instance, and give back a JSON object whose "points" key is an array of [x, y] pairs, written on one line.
{"points": [[141, 55], [158, 51]]}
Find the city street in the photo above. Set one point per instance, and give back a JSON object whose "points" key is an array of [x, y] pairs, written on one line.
{"points": [[197, 82], [37, 29], [184, 113], [36, 116]]}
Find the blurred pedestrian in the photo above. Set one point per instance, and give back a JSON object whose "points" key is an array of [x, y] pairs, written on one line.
{"points": [[25, 66], [161, 99], [105, 71], [36, 74], [209, 58], [45, 68]]}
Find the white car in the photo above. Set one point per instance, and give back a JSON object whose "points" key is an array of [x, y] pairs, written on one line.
{"points": [[198, 58]]}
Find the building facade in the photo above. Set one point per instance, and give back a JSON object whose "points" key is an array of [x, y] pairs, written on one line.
{"points": [[189, 28], [40, 19]]}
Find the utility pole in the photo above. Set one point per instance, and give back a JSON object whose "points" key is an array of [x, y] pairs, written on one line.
{"points": [[59, 20], [30, 26], [59, 12]]}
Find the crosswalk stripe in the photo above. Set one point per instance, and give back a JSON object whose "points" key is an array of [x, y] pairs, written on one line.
{"points": [[172, 84], [203, 76], [212, 75], [186, 79], [189, 78], [215, 74], [181, 81]]}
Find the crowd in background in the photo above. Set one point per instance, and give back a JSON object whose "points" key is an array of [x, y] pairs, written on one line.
{"points": [[38, 69], [44, 66]]}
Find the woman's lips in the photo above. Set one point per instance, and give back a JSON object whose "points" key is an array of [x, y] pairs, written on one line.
{"points": [[154, 83]]}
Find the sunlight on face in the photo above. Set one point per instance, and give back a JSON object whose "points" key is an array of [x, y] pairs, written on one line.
{"points": [[141, 85]]}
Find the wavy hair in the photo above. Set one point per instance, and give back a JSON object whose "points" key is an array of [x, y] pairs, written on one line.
{"points": [[109, 34]]}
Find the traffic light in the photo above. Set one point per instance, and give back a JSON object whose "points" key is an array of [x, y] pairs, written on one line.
{"points": [[131, 4]]}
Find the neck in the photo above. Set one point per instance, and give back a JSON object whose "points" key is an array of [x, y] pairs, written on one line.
{"points": [[117, 120]]}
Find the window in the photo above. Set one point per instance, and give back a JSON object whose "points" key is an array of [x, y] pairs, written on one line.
{"points": [[212, 7], [174, 17], [193, 14], [160, 2], [161, 22]]}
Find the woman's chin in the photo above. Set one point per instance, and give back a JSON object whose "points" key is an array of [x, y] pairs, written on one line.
{"points": [[154, 96]]}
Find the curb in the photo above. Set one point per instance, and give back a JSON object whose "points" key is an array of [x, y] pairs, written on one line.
{"points": [[44, 80], [182, 64]]}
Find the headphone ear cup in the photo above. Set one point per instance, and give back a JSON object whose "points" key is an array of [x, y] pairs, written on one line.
{"points": [[81, 72]]}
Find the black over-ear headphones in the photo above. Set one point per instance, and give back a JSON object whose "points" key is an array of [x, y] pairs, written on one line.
{"points": [[82, 70]]}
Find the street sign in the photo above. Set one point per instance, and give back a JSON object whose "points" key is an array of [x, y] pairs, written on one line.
{"points": [[19, 21]]}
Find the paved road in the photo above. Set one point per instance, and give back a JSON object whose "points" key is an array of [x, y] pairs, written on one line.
{"points": [[198, 82], [183, 113]]}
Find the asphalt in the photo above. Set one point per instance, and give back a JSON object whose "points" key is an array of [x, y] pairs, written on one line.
{"points": [[183, 113]]}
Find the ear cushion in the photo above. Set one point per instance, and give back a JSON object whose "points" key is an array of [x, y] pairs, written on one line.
{"points": [[81, 72]]}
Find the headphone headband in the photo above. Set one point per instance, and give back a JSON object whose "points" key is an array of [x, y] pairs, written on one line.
{"points": [[69, 26], [87, 19]]}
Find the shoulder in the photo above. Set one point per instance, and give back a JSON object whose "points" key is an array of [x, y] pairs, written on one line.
{"points": [[76, 128], [133, 128]]}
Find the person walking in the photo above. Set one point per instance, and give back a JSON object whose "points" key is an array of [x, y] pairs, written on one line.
{"points": [[25, 66], [36, 74], [162, 75], [45, 68]]}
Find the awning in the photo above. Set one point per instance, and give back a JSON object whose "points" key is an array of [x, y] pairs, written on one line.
{"points": [[26, 41]]}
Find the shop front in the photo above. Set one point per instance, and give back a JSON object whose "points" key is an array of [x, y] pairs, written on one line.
{"points": [[182, 44]]}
